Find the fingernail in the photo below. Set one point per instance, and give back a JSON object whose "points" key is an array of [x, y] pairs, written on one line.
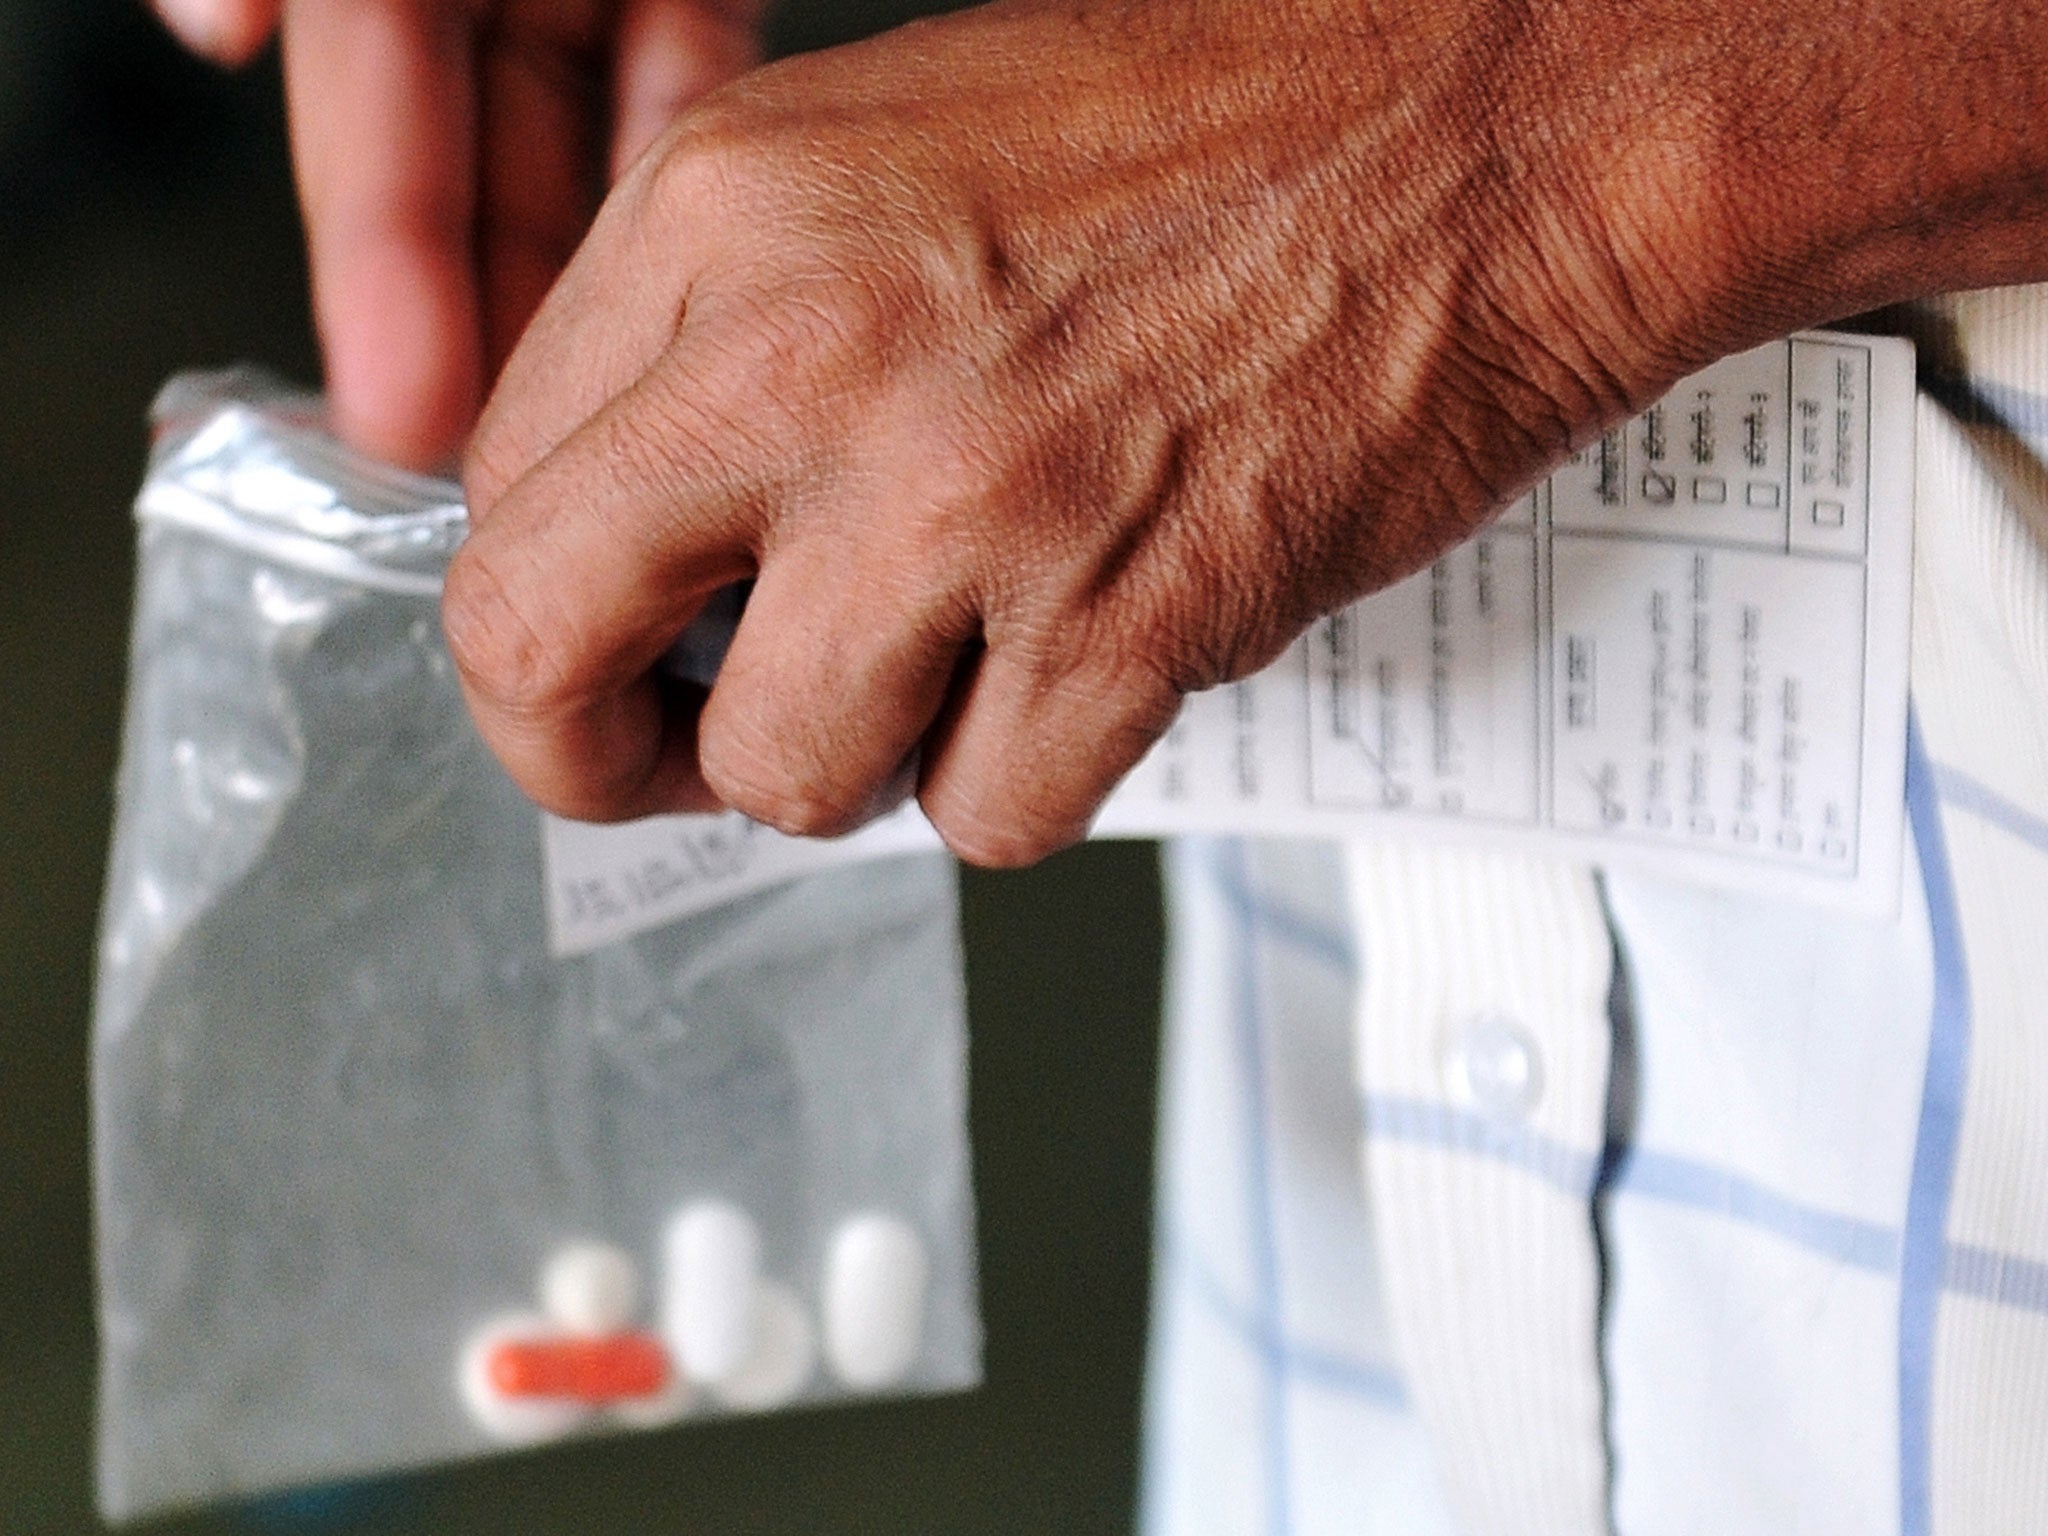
{"points": [[195, 23]]}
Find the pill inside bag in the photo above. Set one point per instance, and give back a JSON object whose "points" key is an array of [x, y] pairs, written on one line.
{"points": [[347, 1104], [590, 1288], [711, 1261], [876, 1274], [782, 1353], [508, 1418]]}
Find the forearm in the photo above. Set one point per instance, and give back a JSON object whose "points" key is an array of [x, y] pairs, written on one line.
{"points": [[1928, 165], [1778, 165], [1619, 192]]}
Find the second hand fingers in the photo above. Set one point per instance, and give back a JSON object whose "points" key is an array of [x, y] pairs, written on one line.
{"points": [[829, 684], [383, 138], [539, 142], [1024, 757], [670, 52]]}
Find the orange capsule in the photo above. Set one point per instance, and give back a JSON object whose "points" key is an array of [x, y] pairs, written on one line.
{"points": [[618, 1367]]}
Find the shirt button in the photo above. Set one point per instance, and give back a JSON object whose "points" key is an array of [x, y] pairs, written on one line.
{"points": [[1490, 1064]]}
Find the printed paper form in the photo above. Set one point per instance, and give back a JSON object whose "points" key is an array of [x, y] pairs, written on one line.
{"points": [[1685, 652]]}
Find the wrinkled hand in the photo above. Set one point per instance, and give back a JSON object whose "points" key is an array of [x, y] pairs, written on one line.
{"points": [[450, 155], [1044, 363], [1054, 360]]}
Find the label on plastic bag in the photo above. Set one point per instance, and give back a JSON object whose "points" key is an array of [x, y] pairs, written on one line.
{"points": [[609, 882], [1683, 653]]}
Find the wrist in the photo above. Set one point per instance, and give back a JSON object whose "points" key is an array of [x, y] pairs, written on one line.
{"points": [[1745, 168]]}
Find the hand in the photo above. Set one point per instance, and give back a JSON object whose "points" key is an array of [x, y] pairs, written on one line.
{"points": [[1047, 362], [450, 155]]}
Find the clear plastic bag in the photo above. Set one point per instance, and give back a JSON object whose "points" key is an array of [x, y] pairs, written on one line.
{"points": [[357, 1132]]}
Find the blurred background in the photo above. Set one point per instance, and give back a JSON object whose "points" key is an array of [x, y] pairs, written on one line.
{"points": [[147, 225]]}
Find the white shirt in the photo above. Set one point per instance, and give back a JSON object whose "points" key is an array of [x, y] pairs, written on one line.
{"points": [[1500, 1196]]}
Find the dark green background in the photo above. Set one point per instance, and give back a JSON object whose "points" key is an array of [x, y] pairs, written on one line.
{"points": [[146, 225]]}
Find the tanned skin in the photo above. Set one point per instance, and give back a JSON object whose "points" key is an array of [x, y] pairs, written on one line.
{"points": [[1048, 361]]}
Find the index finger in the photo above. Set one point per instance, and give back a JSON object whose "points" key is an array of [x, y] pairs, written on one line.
{"points": [[560, 602], [383, 117]]}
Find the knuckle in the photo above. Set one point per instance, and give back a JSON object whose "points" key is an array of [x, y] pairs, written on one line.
{"points": [[999, 838], [502, 648], [775, 787], [801, 309], [797, 342], [713, 161], [847, 315]]}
